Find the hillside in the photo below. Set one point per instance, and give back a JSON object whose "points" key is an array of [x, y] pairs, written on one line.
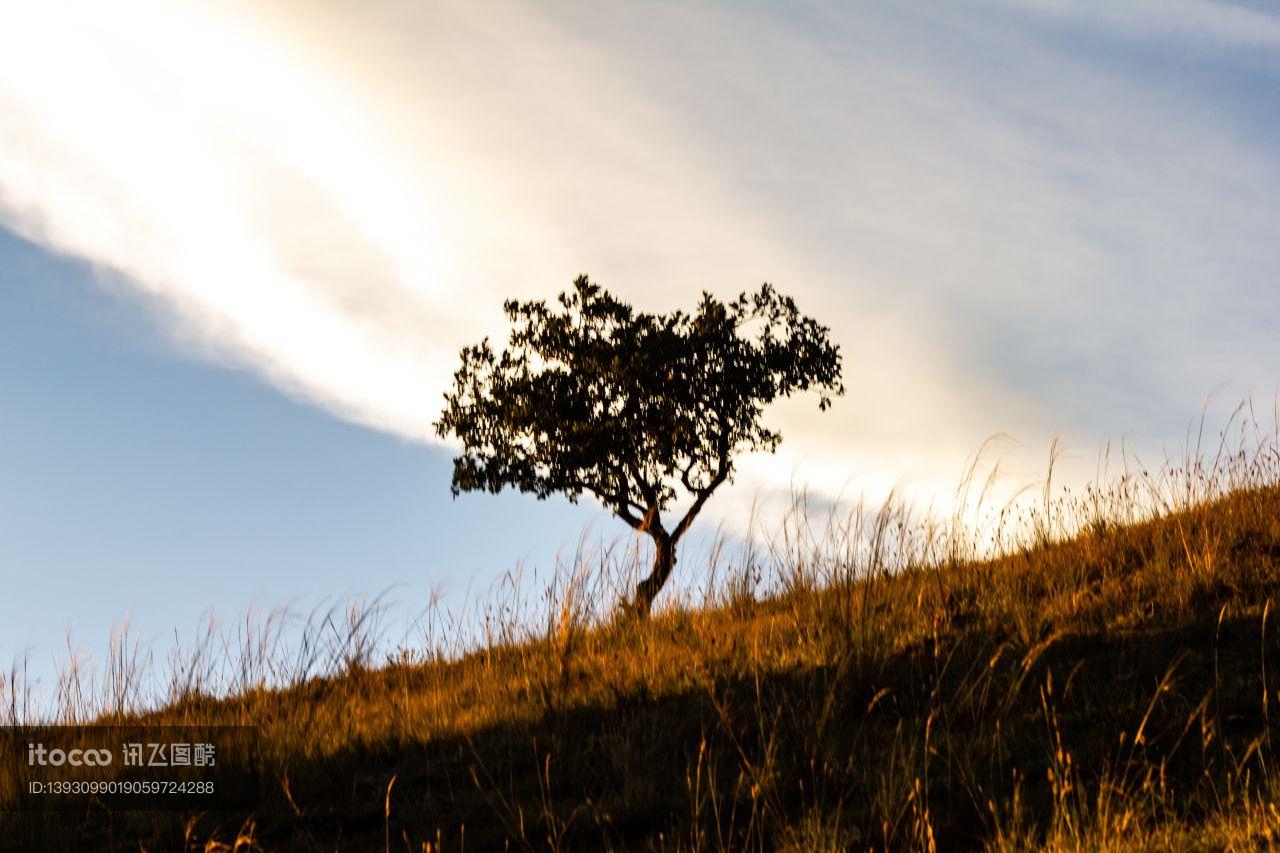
{"points": [[1117, 689]]}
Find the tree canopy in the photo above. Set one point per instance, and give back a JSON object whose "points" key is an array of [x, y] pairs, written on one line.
{"points": [[590, 395]]}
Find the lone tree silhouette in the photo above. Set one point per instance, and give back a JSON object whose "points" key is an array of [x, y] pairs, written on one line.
{"points": [[594, 396]]}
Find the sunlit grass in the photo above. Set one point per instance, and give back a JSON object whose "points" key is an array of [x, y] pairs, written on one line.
{"points": [[1066, 671]]}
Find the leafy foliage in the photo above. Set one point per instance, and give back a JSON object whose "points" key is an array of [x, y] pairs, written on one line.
{"points": [[593, 396]]}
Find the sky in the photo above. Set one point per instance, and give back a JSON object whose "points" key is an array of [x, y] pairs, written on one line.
{"points": [[241, 245]]}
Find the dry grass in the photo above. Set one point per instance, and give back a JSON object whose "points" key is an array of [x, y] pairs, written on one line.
{"points": [[1091, 671]]}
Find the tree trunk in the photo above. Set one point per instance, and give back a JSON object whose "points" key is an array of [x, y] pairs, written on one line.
{"points": [[647, 590]]}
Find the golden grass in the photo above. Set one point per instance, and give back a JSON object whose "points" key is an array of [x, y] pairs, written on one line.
{"points": [[1090, 672]]}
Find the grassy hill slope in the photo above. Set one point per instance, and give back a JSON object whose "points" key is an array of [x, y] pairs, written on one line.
{"points": [[1114, 690]]}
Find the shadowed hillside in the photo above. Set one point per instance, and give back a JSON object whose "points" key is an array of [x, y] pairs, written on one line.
{"points": [[1113, 688]]}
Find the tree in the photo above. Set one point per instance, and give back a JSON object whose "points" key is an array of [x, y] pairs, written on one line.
{"points": [[594, 396]]}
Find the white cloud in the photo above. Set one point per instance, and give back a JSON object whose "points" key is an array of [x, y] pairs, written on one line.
{"points": [[1003, 235]]}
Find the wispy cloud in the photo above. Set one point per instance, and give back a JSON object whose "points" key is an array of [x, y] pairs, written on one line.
{"points": [[1206, 23], [1008, 228]]}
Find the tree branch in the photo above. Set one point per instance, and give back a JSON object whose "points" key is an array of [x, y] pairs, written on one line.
{"points": [[647, 491], [686, 476], [624, 513], [620, 502], [722, 474]]}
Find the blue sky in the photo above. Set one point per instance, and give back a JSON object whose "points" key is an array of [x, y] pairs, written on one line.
{"points": [[243, 243], [141, 483]]}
